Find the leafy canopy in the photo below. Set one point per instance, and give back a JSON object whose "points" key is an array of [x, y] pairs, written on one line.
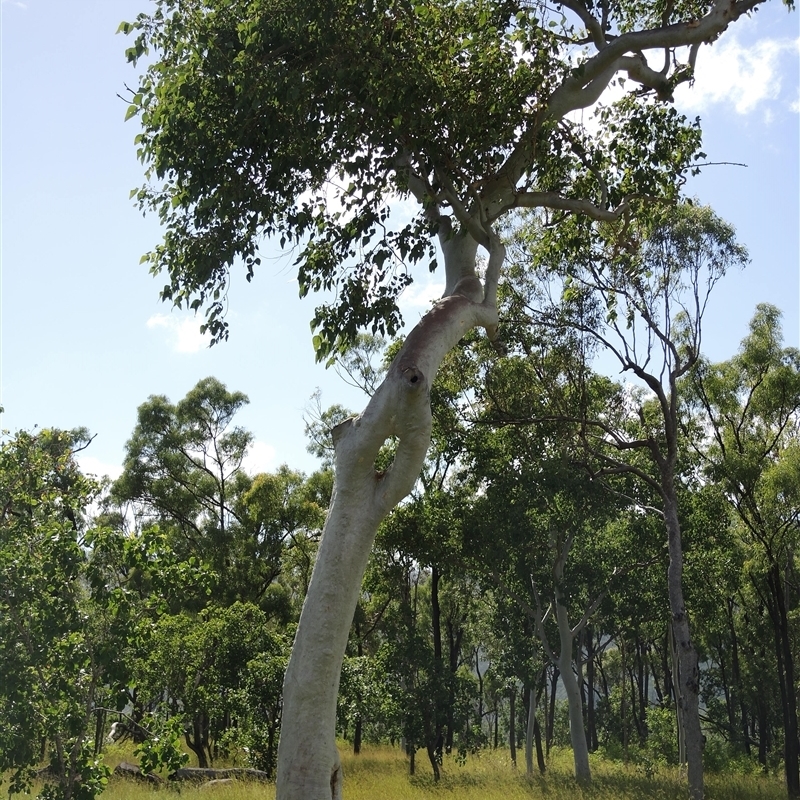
{"points": [[305, 121]]}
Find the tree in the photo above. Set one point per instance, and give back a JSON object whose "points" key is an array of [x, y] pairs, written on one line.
{"points": [[750, 406], [55, 665], [531, 525], [257, 120], [216, 672], [183, 473], [642, 298]]}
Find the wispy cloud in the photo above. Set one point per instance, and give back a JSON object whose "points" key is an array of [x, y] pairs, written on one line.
{"points": [[184, 332], [260, 458], [742, 76], [16, 3]]}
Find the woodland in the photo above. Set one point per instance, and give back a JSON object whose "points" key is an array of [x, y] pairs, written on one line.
{"points": [[507, 547], [168, 599]]}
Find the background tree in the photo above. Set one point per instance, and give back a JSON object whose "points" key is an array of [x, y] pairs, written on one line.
{"points": [[750, 406], [642, 297], [183, 472], [209, 670], [56, 667]]}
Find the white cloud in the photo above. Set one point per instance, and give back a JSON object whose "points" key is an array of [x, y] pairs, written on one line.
{"points": [[421, 294], [94, 466], [743, 76], [260, 457], [184, 332]]}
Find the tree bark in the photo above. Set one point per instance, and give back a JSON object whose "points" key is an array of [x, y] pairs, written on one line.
{"points": [[785, 662], [196, 742], [529, 731], [537, 738], [455, 634], [591, 724], [688, 687], [434, 739], [551, 714], [577, 733], [512, 724], [308, 761], [533, 735], [737, 679]]}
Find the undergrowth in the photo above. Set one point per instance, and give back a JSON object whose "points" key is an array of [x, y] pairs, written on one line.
{"points": [[381, 773]]}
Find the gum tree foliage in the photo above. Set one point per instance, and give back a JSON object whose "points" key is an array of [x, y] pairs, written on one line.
{"points": [[306, 121], [216, 672], [184, 474], [539, 531], [750, 408]]}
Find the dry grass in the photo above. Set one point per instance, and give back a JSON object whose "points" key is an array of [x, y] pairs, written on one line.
{"points": [[381, 773]]}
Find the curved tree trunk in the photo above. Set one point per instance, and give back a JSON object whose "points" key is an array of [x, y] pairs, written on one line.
{"points": [[308, 761]]}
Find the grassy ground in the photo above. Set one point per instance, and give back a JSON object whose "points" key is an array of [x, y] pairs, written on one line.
{"points": [[381, 773]]}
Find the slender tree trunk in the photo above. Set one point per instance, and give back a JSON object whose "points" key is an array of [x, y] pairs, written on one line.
{"points": [[537, 738], [512, 724], [496, 724], [643, 688], [551, 714], [654, 672], [688, 690], [763, 732], [785, 661], [433, 757], [727, 690], [309, 767], [529, 731], [455, 634], [480, 688], [737, 678], [195, 741], [434, 742], [591, 725], [577, 733]]}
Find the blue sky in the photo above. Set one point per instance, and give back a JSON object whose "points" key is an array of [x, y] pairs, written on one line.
{"points": [[84, 338]]}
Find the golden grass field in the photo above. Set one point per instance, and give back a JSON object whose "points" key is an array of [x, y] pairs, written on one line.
{"points": [[381, 773]]}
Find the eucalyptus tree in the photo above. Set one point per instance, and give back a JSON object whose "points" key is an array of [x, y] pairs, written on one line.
{"points": [[642, 298], [304, 121], [538, 529], [216, 673], [183, 470], [56, 663], [750, 406], [184, 474]]}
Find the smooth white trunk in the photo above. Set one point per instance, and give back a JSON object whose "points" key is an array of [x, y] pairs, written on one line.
{"points": [[577, 732], [308, 762]]}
